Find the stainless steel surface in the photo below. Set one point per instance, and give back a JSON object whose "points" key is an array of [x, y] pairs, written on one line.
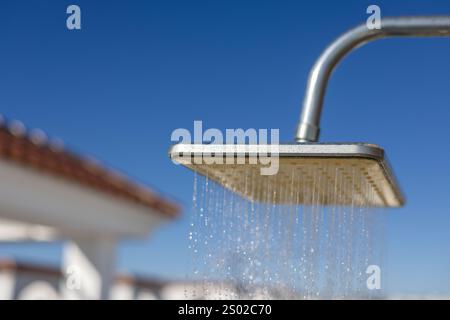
{"points": [[427, 26], [310, 162], [283, 150]]}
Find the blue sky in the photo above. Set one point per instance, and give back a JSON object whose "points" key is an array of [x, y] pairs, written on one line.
{"points": [[139, 69]]}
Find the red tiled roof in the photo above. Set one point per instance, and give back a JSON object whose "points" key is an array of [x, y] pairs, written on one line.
{"points": [[11, 265], [32, 149], [51, 271]]}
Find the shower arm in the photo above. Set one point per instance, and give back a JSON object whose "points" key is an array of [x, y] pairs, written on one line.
{"points": [[423, 26]]}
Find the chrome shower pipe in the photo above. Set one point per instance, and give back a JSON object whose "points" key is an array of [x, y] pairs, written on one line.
{"points": [[422, 26]]}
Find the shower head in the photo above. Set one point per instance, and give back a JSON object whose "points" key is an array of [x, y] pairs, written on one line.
{"points": [[307, 173], [311, 172]]}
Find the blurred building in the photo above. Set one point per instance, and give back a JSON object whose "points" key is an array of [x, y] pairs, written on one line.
{"points": [[20, 280], [31, 281], [48, 193]]}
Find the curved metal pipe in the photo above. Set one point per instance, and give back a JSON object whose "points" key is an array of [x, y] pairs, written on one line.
{"points": [[426, 26]]}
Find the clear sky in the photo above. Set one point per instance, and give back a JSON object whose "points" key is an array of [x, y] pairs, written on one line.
{"points": [[139, 69]]}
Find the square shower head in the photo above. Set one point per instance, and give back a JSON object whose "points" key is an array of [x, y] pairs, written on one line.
{"points": [[306, 173]]}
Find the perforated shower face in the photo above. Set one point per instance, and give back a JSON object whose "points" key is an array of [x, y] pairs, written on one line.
{"points": [[311, 174]]}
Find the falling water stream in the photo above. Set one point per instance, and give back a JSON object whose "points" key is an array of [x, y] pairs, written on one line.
{"points": [[240, 249]]}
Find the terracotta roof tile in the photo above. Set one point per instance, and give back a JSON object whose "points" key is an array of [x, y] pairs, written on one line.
{"points": [[46, 270], [33, 149]]}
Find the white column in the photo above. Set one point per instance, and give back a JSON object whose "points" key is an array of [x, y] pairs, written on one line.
{"points": [[88, 267], [7, 284]]}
